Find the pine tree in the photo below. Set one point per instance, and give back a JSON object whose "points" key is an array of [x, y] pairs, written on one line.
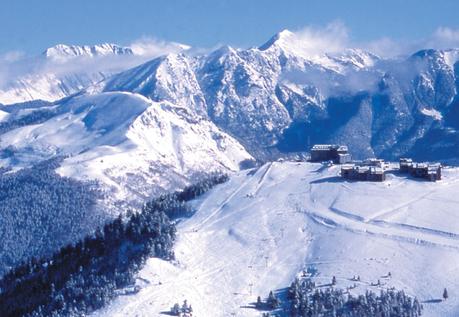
{"points": [[185, 306], [175, 310], [259, 303], [445, 294], [273, 302]]}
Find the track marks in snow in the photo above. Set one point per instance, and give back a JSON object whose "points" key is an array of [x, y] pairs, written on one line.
{"points": [[248, 181], [332, 217], [417, 229], [392, 211], [264, 227], [406, 233], [223, 204], [262, 178]]}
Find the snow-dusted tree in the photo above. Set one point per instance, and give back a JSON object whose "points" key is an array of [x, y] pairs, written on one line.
{"points": [[185, 306], [259, 303], [175, 310], [273, 301]]}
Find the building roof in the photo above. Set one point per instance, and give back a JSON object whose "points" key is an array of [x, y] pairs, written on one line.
{"points": [[327, 147], [363, 169], [323, 147], [374, 160], [406, 160]]}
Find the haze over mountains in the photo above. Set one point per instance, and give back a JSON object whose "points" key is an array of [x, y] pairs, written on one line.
{"points": [[62, 70]]}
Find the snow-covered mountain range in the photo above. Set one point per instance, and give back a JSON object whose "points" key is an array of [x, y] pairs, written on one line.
{"points": [[279, 96], [141, 127], [267, 100], [267, 92]]}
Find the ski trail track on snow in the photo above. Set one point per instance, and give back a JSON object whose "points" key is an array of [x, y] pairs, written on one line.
{"points": [[257, 231]]}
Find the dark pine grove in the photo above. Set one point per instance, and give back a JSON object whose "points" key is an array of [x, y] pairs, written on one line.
{"points": [[84, 276]]}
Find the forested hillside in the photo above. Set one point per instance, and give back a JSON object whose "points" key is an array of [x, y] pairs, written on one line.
{"points": [[85, 275], [41, 211]]}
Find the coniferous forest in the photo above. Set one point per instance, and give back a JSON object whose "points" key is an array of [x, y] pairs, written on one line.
{"points": [[41, 211], [84, 276], [306, 299]]}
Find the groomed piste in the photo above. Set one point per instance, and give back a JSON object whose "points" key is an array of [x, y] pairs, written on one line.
{"points": [[256, 232]]}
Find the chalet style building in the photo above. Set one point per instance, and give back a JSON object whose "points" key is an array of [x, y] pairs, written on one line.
{"points": [[339, 154], [405, 165], [363, 173], [374, 162], [431, 172]]}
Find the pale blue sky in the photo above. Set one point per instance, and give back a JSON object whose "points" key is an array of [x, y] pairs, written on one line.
{"points": [[32, 25]]}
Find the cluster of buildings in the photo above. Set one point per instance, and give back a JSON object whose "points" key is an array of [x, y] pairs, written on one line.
{"points": [[431, 172], [370, 169]]}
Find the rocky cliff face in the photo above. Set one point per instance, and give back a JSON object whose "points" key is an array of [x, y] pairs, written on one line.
{"points": [[278, 98], [275, 98]]}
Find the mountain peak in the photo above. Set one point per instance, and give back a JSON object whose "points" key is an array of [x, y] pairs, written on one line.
{"points": [[355, 57], [277, 40], [62, 52]]}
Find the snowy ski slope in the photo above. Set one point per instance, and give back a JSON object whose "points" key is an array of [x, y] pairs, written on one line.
{"points": [[256, 232]]}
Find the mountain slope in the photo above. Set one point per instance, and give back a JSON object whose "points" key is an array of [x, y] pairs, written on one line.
{"points": [[169, 77], [102, 133], [259, 230]]}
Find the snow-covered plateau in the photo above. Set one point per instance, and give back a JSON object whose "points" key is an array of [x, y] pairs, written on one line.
{"points": [[256, 232]]}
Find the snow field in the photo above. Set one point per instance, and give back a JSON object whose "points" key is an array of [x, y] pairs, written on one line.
{"points": [[258, 231]]}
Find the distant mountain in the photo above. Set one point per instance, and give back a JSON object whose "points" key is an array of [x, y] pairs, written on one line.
{"points": [[280, 98], [63, 70], [63, 52]]}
